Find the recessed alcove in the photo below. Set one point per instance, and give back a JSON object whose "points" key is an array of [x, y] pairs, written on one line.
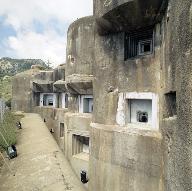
{"points": [[80, 144], [138, 108], [170, 104], [48, 99]]}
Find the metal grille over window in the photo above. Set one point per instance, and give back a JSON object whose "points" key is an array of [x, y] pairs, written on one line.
{"points": [[139, 43]]}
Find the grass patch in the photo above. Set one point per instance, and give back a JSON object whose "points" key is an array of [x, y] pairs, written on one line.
{"points": [[8, 130], [6, 88]]}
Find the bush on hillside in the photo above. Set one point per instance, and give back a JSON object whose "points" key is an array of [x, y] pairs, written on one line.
{"points": [[8, 103]]}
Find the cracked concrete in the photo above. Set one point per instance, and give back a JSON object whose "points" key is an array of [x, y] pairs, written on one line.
{"points": [[40, 165]]}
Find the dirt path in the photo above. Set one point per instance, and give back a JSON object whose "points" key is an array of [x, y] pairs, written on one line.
{"points": [[40, 165]]}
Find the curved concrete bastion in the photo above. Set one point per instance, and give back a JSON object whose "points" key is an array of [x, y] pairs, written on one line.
{"points": [[125, 158], [80, 47]]}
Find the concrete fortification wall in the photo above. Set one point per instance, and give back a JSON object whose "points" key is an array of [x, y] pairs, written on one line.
{"points": [[177, 64], [132, 60]]}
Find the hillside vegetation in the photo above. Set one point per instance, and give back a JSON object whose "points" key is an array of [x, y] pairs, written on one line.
{"points": [[9, 67], [6, 88]]}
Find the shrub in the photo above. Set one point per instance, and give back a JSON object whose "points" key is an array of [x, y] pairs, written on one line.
{"points": [[8, 103]]}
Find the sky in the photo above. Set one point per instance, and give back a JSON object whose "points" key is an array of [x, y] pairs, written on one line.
{"points": [[37, 29]]}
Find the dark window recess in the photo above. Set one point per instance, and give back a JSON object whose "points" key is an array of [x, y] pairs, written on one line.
{"points": [[138, 43], [142, 117], [50, 102], [66, 100], [62, 129], [170, 104]]}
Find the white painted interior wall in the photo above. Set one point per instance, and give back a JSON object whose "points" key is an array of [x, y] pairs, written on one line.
{"points": [[86, 148], [64, 97]]}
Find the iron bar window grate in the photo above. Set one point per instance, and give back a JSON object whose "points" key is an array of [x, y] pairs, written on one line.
{"points": [[139, 43]]}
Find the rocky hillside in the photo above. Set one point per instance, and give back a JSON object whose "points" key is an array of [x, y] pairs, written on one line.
{"points": [[10, 67]]}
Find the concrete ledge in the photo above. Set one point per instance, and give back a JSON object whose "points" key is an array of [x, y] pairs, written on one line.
{"points": [[82, 156], [132, 129]]}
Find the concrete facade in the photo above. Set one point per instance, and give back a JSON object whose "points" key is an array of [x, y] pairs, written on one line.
{"points": [[134, 58]]}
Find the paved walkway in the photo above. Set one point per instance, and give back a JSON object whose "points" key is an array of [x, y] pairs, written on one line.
{"points": [[40, 165]]}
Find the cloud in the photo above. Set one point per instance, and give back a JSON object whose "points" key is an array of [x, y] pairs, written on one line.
{"points": [[47, 46], [40, 26], [21, 13]]}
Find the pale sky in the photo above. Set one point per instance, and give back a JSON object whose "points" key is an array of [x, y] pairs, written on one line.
{"points": [[38, 28]]}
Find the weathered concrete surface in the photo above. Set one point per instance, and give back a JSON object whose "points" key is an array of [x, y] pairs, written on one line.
{"points": [[40, 164], [22, 95], [120, 15], [80, 50], [125, 159], [132, 159], [178, 59]]}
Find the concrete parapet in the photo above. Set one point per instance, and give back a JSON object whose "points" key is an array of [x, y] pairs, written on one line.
{"points": [[131, 156]]}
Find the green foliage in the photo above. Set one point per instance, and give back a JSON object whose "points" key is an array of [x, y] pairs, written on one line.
{"points": [[6, 88], [8, 130], [8, 103], [10, 67]]}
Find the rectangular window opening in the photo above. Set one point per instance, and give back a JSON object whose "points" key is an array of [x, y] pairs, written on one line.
{"points": [[87, 105], [139, 43], [47, 100], [140, 111], [80, 144]]}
